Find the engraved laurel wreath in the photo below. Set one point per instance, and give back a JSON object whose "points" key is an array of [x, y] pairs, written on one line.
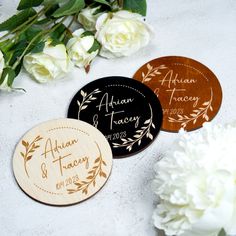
{"points": [[95, 172], [202, 111], [86, 99], [184, 120], [144, 131], [152, 72], [30, 148], [81, 185]]}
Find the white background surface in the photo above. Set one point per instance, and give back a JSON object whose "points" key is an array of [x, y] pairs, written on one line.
{"points": [[204, 30]]}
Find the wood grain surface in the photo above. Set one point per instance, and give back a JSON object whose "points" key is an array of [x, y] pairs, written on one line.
{"points": [[189, 92], [62, 162]]}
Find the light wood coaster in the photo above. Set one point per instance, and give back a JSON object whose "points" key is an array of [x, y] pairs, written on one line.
{"points": [[62, 162], [189, 92]]}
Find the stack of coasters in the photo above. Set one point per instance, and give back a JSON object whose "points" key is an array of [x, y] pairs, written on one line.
{"points": [[66, 161]]}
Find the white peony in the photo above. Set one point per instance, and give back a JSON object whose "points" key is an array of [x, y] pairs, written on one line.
{"points": [[88, 17], [52, 63], [121, 34], [78, 48], [196, 184]]}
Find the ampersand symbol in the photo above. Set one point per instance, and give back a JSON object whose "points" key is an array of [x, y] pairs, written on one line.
{"points": [[44, 171], [95, 121]]}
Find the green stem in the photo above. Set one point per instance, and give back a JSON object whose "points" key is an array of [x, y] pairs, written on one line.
{"points": [[69, 25], [120, 3], [8, 61], [34, 38], [72, 20], [31, 20]]}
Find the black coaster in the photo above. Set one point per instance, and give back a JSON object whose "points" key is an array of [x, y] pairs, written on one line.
{"points": [[126, 111]]}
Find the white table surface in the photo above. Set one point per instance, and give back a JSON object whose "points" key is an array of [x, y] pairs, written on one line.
{"points": [[204, 30]]}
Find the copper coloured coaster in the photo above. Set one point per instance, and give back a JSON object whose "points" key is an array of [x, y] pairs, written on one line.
{"points": [[189, 92]]}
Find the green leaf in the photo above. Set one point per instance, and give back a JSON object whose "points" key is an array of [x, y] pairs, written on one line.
{"points": [[30, 33], [70, 8], [17, 19], [55, 42], [51, 10], [104, 2], [20, 45], [8, 73], [24, 4], [11, 76], [67, 36], [19, 48], [96, 46], [222, 233], [60, 35], [38, 47], [18, 68], [6, 45], [57, 34], [43, 21], [86, 33], [16, 51], [50, 2], [58, 31], [137, 6]]}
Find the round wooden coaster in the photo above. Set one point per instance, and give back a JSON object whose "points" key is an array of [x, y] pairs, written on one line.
{"points": [[189, 92], [62, 162], [127, 112]]}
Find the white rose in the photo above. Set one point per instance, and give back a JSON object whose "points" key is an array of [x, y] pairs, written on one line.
{"points": [[196, 184], [78, 48], [88, 17], [52, 63], [121, 34]]}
